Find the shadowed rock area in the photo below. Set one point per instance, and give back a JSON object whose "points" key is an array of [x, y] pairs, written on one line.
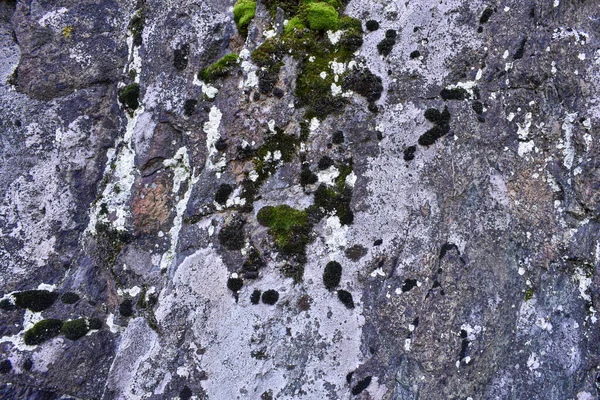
{"points": [[281, 199]]}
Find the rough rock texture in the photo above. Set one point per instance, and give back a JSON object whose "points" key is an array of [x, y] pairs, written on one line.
{"points": [[468, 239]]}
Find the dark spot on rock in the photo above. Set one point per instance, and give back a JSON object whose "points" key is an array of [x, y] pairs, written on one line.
{"points": [[477, 107], [268, 395], [277, 92], [27, 364], [304, 302], [222, 193], [189, 107], [349, 377], [307, 177], [186, 393], [521, 50], [372, 25], [485, 16], [129, 96], [235, 284], [75, 329], [126, 308], [480, 29], [457, 93], [221, 145], [270, 297], [180, 57], [69, 298], [361, 385], [18, 123], [267, 81], [346, 298], [365, 83], [373, 108], [391, 34], [378, 242], [332, 275], [95, 323], [409, 153], [42, 331], [415, 54], [6, 305], [385, 46], [447, 247], [231, 235], [256, 96], [325, 162], [338, 137], [355, 252], [463, 334], [255, 297], [35, 300], [436, 284], [416, 322], [408, 284], [5, 366], [433, 134]]}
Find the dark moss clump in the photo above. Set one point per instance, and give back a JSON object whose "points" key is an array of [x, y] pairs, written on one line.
{"points": [[42, 331], [408, 284], [307, 177], [185, 393], [180, 57], [441, 126], [27, 364], [334, 202], [6, 305], [325, 162], [255, 297], [477, 107], [372, 25], [235, 284], [5, 366], [457, 93], [253, 264], [231, 235], [361, 385], [126, 308], [332, 275], [136, 26], [338, 137], [189, 107], [95, 323], [35, 300], [221, 145], [220, 69], [129, 96], [289, 228], [529, 294], [270, 297], [243, 13], [386, 45], [280, 142], [485, 16], [69, 298], [110, 242], [365, 83], [436, 117], [415, 54], [75, 329], [409, 153], [222, 193], [346, 298]]}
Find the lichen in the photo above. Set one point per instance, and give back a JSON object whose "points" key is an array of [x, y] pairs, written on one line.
{"points": [[219, 69]]}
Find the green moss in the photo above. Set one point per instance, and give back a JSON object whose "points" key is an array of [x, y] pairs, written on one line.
{"points": [[294, 24], [289, 228], [69, 298], [110, 242], [219, 69], [321, 17], [75, 329], [279, 143], [136, 26], [42, 331], [129, 96], [243, 13], [529, 294], [35, 300]]}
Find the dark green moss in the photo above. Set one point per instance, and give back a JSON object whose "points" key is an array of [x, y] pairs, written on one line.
{"points": [[365, 83], [69, 298], [338, 137], [75, 329], [385, 46], [335, 202], [289, 228], [346, 298], [332, 275], [95, 323], [243, 13], [222, 194], [477, 107], [391, 34], [136, 26], [189, 107], [126, 308], [270, 297], [35, 300], [219, 69], [110, 242], [457, 93], [529, 294], [440, 129], [409, 153], [415, 54], [42, 331], [255, 296], [321, 16], [361, 385], [6, 305], [235, 284], [129, 96], [253, 264], [5, 366], [231, 235], [307, 177], [285, 144], [325, 162], [372, 25]]}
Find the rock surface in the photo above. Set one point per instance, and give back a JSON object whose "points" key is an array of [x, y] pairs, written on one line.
{"points": [[447, 157]]}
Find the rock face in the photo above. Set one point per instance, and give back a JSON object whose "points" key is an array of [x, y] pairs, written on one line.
{"points": [[343, 199]]}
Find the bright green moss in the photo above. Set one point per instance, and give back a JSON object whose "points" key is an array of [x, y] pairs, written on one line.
{"points": [[289, 228], [321, 17], [219, 69], [75, 329], [42, 331], [294, 24], [243, 13]]}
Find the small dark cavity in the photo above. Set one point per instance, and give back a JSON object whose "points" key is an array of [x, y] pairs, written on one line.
{"points": [[378, 242], [447, 247], [349, 377], [409, 153], [270, 297], [361, 385], [189, 107], [222, 194], [416, 322], [521, 50], [485, 16], [126, 308], [372, 25], [325, 162], [408, 284], [346, 298], [477, 107], [415, 54]]}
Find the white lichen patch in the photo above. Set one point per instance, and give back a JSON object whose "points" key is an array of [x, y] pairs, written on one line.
{"points": [[334, 37], [567, 146], [334, 234], [211, 128], [328, 176]]}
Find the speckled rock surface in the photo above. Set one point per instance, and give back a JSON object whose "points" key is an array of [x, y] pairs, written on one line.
{"points": [[448, 158]]}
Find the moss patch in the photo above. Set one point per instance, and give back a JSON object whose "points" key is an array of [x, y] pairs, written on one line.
{"points": [[75, 329], [231, 235], [346, 298], [243, 13], [136, 26], [129, 96], [289, 228], [441, 126], [321, 16], [270, 297], [69, 298], [42, 331], [332, 275], [219, 69], [35, 300]]}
